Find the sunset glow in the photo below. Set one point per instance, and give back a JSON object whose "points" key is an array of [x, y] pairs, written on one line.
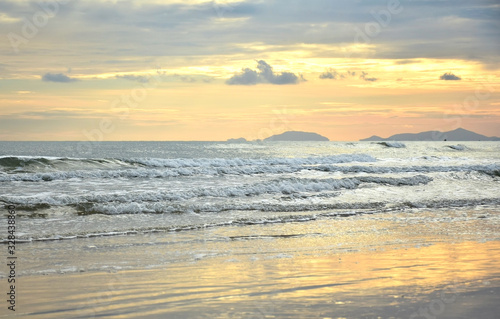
{"points": [[213, 70]]}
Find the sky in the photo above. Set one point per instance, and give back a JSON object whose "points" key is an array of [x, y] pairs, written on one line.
{"points": [[171, 70]]}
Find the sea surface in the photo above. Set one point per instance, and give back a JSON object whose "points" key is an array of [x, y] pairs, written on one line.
{"points": [[253, 230], [63, 191]]}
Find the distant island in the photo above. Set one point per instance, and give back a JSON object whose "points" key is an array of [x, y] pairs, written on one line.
{"points": [[237, 140], [459, 134], [296, 136]]}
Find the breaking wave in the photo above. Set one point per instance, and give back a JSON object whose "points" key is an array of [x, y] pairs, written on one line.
{"points": [[126, 195], [339, 210], [26, 162], [458, 147], [170, 172], [393, 144], [278, 186]]}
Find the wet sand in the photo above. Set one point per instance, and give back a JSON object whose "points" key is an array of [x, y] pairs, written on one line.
{"points": [[356, 267]]}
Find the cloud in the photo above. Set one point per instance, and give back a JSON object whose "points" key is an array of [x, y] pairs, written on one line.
{"points": [[407, 61], [57, 77], [329, 74], [52, 114], [121, 30], [185, 78], [458, 29], [365, 77], [263, 74], [334, 75], [450, 77], [138, 78], [246, 77]]}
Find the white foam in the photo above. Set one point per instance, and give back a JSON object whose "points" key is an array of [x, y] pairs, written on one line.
{"points": [[238, 170], [220, 162], [126, 201]]}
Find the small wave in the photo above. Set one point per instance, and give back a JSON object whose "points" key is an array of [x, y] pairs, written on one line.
{"points": [[179, 228], [22, 161], [176, 163], [15, 164], [392, 144], [339, 210], [458, 147], [491, 169]]}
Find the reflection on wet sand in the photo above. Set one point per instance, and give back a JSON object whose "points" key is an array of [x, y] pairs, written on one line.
{"points": [[393, 281]]}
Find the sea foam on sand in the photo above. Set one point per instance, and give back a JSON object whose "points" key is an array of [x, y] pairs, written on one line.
{"points": [[394, 265]]}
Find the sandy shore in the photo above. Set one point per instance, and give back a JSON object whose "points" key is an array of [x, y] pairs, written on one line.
{"points": [[366, 266]]}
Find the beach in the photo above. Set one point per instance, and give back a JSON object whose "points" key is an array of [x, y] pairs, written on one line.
{"points": [[237, 159], [279, 230], [396, 266]]}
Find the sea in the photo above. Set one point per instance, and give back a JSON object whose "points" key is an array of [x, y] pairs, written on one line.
{"points": [[325, 229], [63, 191]]}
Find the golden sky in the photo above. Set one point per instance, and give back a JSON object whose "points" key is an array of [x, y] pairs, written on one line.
{"points": [[213, 70]]}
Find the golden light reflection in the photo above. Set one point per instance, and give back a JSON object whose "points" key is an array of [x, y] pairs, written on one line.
{"points": [[248, 282]]}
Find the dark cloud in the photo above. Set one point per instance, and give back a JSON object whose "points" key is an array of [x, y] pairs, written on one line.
{"points": [[246, 77], [57, 77], [408, 61], [442, 29], [450, 77], [365, 77], [185, 78], [263, 74], [329, 74], [137, 78], [334, 75]]}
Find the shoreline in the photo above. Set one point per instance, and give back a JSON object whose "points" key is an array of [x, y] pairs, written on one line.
{"points": [[392, 283], [389, 266]]}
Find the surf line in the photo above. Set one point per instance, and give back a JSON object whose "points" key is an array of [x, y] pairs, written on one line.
{"points": [[11, 257]]}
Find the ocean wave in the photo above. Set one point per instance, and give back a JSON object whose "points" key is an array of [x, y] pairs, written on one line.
{"points": [[222, 162], [458, 147], [491, 169], [334, 208], [130, 173], [285, 186], [318, 211], [34, 162], [393, 144]]}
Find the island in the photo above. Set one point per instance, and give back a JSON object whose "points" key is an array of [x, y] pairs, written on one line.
{"points": [[296, 136], [237, 140], [459, 134]]}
